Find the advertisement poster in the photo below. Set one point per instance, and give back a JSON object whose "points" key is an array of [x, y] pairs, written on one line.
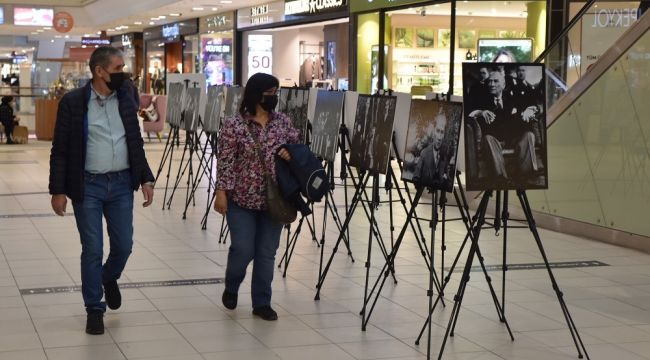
{"points": [[260, 54], [33, 16], [216, 57]]}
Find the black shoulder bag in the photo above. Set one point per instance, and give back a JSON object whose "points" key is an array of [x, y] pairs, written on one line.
{"points": [[279, 209]]}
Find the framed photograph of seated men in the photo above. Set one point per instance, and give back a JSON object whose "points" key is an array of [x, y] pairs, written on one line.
{"points": [[432, 144], [505, 126]]}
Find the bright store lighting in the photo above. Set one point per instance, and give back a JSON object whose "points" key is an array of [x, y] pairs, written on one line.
{"points": [[197, 9]]}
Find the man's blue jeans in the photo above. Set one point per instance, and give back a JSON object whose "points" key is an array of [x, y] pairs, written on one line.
{"points": [[254, 237], [111, 196]]}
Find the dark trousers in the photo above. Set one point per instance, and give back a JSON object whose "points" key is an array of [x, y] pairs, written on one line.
{"points": [[9, 130], [524, 153]]}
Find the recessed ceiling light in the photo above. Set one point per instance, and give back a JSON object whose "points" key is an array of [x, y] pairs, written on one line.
{"points": [[83, 46], [214, 9], [162, 17], [47, 28], [57, 36], [197, 9], [137, 23], [99, 33], [226, 1], [125, 26], [34, 33], [151, 23], [52, 40], [175, 14], [40, 30], [153, 18], [67, 36]]}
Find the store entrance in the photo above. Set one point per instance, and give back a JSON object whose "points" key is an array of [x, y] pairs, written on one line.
{"points": [[312, 55]]}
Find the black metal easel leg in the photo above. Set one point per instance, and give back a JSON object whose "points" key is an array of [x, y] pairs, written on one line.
{"points": [[577, 340], [373, 205], [504, 266]]}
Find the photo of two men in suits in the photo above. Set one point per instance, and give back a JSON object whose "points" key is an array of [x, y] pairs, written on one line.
{"points": [[505, 126]]}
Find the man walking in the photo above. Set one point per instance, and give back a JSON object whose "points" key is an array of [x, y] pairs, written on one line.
{"points": [[98, 161]]}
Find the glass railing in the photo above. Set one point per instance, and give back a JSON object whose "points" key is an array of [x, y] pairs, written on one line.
{"points": [[594, 28], [599, 144]]}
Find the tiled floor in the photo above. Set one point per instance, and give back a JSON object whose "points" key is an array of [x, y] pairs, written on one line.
{"points": [[610, 304]]}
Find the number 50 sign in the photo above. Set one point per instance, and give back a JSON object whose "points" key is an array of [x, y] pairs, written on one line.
{"points": [[260, 54]]}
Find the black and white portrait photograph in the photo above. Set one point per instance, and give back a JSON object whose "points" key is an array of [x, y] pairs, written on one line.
{"points": [[234, 95], [432, 143], [505, 126], [212, 117], [326, 124], [373, 132], [294, 102], [175, 104], [191, 109]]}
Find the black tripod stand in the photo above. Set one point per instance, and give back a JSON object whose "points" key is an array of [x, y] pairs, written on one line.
{"points": [[475, 231]]}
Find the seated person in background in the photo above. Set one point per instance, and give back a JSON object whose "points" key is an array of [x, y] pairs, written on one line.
{"points": [[505, 123], [7, 117]]}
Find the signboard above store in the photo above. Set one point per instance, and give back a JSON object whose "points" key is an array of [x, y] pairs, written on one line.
{"points": [[312, 7], [95, 41], [218, 22], [260, 15], [366, 5]]}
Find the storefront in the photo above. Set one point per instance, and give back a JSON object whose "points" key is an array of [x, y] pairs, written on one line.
{"points": [[302, 43], [423, 44], [217, 54], [131, 45], [170, 48]]}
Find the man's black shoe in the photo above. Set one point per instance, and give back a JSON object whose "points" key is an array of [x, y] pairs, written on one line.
{"points": [[112, 295], [95, 323], [266, 313], [229, 300]]}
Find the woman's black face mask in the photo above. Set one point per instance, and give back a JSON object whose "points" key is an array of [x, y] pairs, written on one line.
{"points": [[269, 102]]}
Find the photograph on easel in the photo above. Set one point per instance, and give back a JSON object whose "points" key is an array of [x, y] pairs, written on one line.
{"points": [[234, 96], [373, 133], [174, 105], [191, 109], [294, 102], [432, 144], [505, 126], [326, 124], [213, 109]]}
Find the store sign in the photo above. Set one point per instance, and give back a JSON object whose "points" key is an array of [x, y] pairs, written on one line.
{"points": [[600, 30], [260, 54], [605, 18], [220, 22], [260, 15], [33, 16], [19, 59], [63, 22], [95, 41], [299, 7], [365, 5], [171, 32]]}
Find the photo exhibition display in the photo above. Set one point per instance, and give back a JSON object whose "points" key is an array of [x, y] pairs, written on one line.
{"points": [[326, 124]]}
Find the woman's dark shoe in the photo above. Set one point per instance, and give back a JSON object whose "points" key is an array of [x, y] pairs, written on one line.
{"points": [[112, 295], [229, 300], [266, 313], [95, 323]]}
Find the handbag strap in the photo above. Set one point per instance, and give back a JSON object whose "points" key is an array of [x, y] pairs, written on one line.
{"points": [[258, 149]]}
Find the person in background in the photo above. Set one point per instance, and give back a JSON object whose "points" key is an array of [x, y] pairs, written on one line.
{"points": [[241, 190], [7, 117], [98, 161]]}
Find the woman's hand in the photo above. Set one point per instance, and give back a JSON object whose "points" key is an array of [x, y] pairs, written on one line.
{"points": [[284, 154], [221, 202]]}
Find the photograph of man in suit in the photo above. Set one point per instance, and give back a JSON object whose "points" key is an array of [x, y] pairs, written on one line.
{"points": [[507, 121], [431, 167]]}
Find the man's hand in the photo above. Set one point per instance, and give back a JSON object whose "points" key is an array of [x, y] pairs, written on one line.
{"points": [[59, 203], [147, 193], [284, 154], [529, 114], [221, 202], [488, 116]]}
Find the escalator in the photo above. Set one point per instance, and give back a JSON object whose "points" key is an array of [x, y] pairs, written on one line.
{"points": [[599, 127]]}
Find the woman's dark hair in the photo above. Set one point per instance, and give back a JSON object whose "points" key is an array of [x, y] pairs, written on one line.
{"points": [[7, 99], [254, 92]]}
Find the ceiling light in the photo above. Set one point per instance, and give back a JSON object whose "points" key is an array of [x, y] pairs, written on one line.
{"points": [[99, 33], [40, 30], [52, 40], [226, 1], [162, 17], [125, 26], [151, 23], [197, 9], [153, 18], [214, 9], [34, 33], [47, 28], [57, 36], [137, 23], [175, 14]]}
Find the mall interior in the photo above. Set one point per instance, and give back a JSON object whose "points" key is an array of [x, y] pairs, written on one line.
{"points": [[381, 267]]}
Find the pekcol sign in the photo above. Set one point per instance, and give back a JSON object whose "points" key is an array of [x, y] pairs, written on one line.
{"points": [[263, 14], [300, 7]]}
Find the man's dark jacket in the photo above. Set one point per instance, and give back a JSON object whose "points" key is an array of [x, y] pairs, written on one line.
{"points": [[68, 156]]}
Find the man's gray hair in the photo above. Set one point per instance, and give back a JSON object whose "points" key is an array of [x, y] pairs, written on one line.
{"points": [[102, 57]]}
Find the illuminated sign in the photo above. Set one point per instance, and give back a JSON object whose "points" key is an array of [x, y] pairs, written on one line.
{"points": [[269, 13], [260, 10], [260, 54], [33, 16], [2, 15], [171, 32], [95, 41], [295, 7]]}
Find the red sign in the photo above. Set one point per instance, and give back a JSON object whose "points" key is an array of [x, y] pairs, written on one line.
{"points": [[63, 22]]}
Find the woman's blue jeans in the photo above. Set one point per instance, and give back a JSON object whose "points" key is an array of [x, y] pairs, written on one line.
{"points": [[254, 237], [107, 196]]}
